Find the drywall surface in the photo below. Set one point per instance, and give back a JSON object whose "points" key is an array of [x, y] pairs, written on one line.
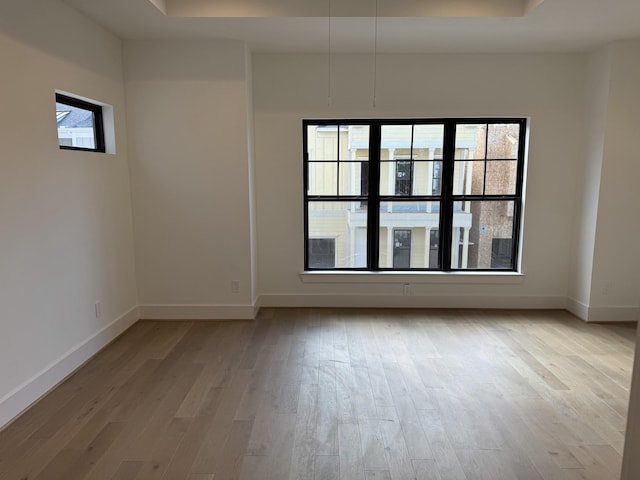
{"points": [[549, 89], [65, 216], [596, 105], [616, 264], [251, 178], [187, 106]]}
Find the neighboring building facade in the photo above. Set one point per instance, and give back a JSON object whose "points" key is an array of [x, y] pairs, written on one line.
{"points": [[75, 126]]}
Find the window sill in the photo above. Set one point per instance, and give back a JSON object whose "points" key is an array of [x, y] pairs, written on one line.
{"points": [[458, 278]]}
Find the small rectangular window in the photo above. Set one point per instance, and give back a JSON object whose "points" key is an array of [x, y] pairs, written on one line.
{"points": [[80, 124]]}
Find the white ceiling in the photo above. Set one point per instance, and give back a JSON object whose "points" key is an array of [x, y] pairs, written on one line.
{"points": [[407, 26]]}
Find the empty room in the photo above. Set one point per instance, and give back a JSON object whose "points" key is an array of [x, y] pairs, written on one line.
{"points": [[296, 239]]}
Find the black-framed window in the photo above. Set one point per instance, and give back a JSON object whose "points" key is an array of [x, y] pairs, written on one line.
{"points": [[80, 124], [427, 194]]}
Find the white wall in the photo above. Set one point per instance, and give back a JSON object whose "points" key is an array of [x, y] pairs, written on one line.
{"points": [[547, 88], [615, 284], [65, 217], [605, 281], [188, 116], [252, 180], [589, 176]]}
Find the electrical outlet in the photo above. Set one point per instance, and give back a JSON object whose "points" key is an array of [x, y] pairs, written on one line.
{"points": [[406, 289], [98, 309], [606, 288], [235, 286]]}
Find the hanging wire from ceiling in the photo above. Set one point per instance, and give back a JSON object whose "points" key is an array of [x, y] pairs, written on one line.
{"points": [[375, 56], [329, 59]]}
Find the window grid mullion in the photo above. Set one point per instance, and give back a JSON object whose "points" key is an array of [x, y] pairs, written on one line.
{"points": [[446, 209], [373, 217], [338, 161], [484, 163]]}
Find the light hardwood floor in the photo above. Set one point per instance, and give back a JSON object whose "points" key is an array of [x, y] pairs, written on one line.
{"points": [[338, 394]]}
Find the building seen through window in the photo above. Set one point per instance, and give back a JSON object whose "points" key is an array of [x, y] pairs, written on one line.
{"points": [[80, 124], [425, 194]]}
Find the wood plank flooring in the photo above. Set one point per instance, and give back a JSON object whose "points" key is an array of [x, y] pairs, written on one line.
{"points": [[322, 394]]}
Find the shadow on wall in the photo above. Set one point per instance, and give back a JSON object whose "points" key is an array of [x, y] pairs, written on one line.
{"points": [[45, 25]]}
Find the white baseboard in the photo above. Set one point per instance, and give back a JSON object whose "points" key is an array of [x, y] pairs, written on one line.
{"points": [[614, 314], [22, 397], [579, 309], [418, 301], [620, 313], [249, 312], [199, 312]]}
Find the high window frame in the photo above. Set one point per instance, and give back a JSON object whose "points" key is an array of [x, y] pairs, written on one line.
{"points": [[97, 122], [449, 199]]}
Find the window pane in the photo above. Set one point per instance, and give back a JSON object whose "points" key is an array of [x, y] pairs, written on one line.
{"points": [[404, 170], [322, 252], [470, 141], [406, 234], [322, 142], [427, 139], [476, 227], [76, 126], [468, 178], [501, 177], [346, 223], [323, 178], [503, 140], [402, 248], [393, 137], [434, 248], [387, 178], [427, 178], [354, 178], [359, 142]]}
